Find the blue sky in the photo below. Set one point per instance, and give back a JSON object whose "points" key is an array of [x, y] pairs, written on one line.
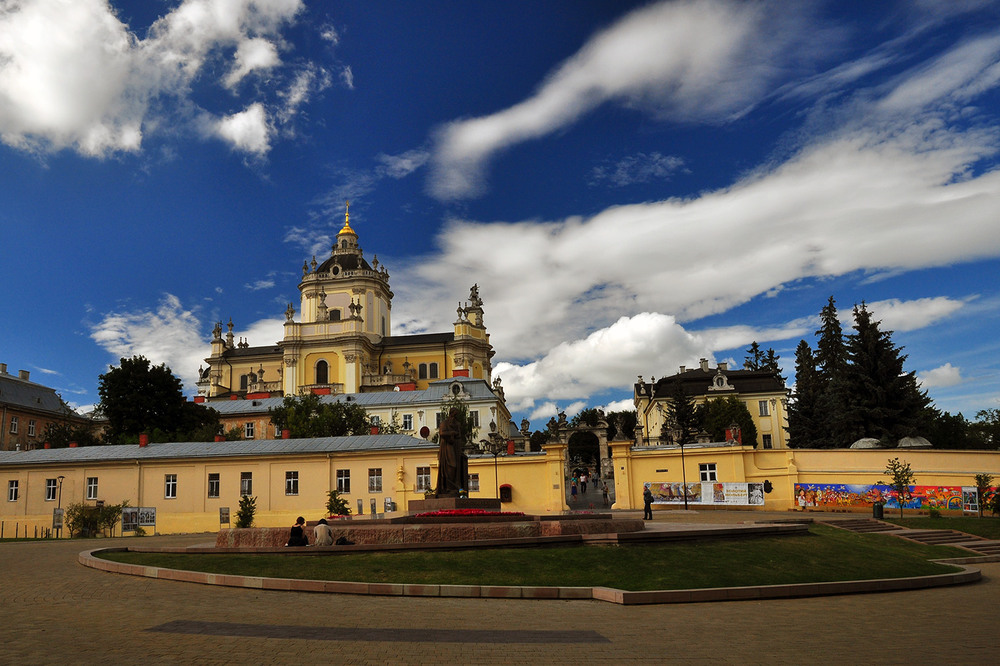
{"points": [[633, 186]]}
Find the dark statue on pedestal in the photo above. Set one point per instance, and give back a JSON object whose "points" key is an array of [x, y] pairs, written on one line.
{"points": [[453, 464]]}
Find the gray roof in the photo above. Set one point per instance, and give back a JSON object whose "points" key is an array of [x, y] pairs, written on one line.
{"points": [[435, 395], [253, 447], [22, 393]]}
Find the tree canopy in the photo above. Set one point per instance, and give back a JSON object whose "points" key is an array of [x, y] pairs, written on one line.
{"points": [[718, 415], [307, 416], [139, 397]]}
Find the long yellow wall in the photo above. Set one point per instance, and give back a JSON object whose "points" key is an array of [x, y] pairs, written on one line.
{"points": [[535, 481], [784, 468]]}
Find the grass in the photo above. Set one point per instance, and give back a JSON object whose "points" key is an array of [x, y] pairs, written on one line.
{"points": [[824, 554], [986, 527]]}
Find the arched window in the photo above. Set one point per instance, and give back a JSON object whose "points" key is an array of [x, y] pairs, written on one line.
{"points": [[322, 373], [244, 382], [434, 371], [422, 371]]}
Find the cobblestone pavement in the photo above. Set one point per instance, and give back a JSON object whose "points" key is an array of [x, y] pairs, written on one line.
{"points": [[53, 610]]}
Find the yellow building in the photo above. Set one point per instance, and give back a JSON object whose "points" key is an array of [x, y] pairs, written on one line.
{"points": [[762, 391], [342, 342], [188, 483]]}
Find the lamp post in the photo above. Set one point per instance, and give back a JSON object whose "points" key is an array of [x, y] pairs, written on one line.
{"points": [[684, 477], [60, 478], [495, 445]]}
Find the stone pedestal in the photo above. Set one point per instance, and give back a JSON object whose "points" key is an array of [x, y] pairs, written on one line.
{"points": [[449, 503]]}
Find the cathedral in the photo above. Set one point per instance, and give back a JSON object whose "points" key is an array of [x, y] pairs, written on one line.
{"points": [[342, 342]]}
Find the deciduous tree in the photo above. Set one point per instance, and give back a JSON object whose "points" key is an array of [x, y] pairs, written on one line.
{"points": [[308, 416]]}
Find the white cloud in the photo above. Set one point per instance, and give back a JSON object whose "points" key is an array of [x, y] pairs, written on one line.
{"points": [[169, 334], [252, 55], [945, 375], [247, 131], [347, 77], [402, 165], [687, 61], [897, 315], [257, 285], [72, 75], [638, 168]]}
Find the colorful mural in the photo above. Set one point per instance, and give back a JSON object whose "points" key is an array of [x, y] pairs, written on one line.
{"points": [[841, 495]]}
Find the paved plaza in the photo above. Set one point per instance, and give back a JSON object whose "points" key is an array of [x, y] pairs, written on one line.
{"points": [[53, 610]]}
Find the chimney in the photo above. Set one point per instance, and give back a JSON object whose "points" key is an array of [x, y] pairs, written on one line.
{"points": [[704, 364], [724, 366], [23, 374], [73, 445], [682, 370], [143, 439], [47, 445], [3, 368], [286, 433]]}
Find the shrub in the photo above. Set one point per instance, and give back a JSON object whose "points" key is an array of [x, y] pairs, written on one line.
{"points": [[336, 505], [246, 512], [934, 513], [86, 520]]}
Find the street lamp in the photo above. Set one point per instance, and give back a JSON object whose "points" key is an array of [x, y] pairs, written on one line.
{"points": [[60, 479], [495, 445], [684, 477]]}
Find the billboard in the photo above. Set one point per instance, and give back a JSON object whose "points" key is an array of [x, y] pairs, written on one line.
{"points": [[733, 494], [847, 495]]}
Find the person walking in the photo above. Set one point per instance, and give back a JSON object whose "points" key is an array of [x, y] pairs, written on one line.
{"points": [[572, 492], [607, 500], [647, 504]]}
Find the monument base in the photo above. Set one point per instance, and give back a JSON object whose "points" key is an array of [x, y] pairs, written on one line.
{"points": [[450, 503]]}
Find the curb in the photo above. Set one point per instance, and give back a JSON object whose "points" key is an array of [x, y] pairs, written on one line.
{"points": [[623, 597]]}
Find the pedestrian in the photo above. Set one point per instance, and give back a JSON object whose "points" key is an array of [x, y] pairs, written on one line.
{"points": [[583, 482], [572, 492], [647, 504], [322, 534], [607, 500]]}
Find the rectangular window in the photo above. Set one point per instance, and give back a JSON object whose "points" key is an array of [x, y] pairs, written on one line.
{"points": [[12, 490], [422, 371], [91, 487], [213, 484], [766, 441], [50, 490], [376, 420], [246, 483], [763, 407], [291, 483], [344, 481], [423, 478], [170, 486], [473, 483], [474, 417], [31, 428], [407, 421], [375, 479], [437, 420], [13, 425], [707, 471], [434, 371], [248, 430], [277, 432]]}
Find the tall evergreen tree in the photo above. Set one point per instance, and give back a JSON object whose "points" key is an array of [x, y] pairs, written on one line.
{"points": [[833, 398], [720, 413], [755, 357], [771, 363], [683, 418], [887, 402], [804, 418]]}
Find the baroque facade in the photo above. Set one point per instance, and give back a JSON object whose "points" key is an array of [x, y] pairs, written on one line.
{"points": [[762, 391]]}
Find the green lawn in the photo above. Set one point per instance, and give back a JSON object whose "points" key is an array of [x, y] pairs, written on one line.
{"points": [[824, 554], [984, 527]]}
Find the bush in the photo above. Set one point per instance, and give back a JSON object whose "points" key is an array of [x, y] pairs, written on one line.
{"points": [[86, 520], [246, 512], [934, 513], [336, 505]]}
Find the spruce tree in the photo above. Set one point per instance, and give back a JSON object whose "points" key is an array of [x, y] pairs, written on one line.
{"points": [[886, 402], [833, 399], [804, 418], [754, 358], [683, 416]]}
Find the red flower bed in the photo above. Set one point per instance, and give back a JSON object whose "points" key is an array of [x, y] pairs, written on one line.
{"points": [[466, 512]]}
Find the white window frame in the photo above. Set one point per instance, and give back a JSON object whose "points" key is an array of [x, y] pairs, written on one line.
{"points": [[169, 486], [51, 486], [374, 479], [248, 430], [31, 427], [291, 483], [473, 483], [708, 472], [344, 481], [376, 420], [407, 421], [12, 490], [214, 484], [92, 486], [763, 408], [13, 424], [246, 484], [423, 478]]}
